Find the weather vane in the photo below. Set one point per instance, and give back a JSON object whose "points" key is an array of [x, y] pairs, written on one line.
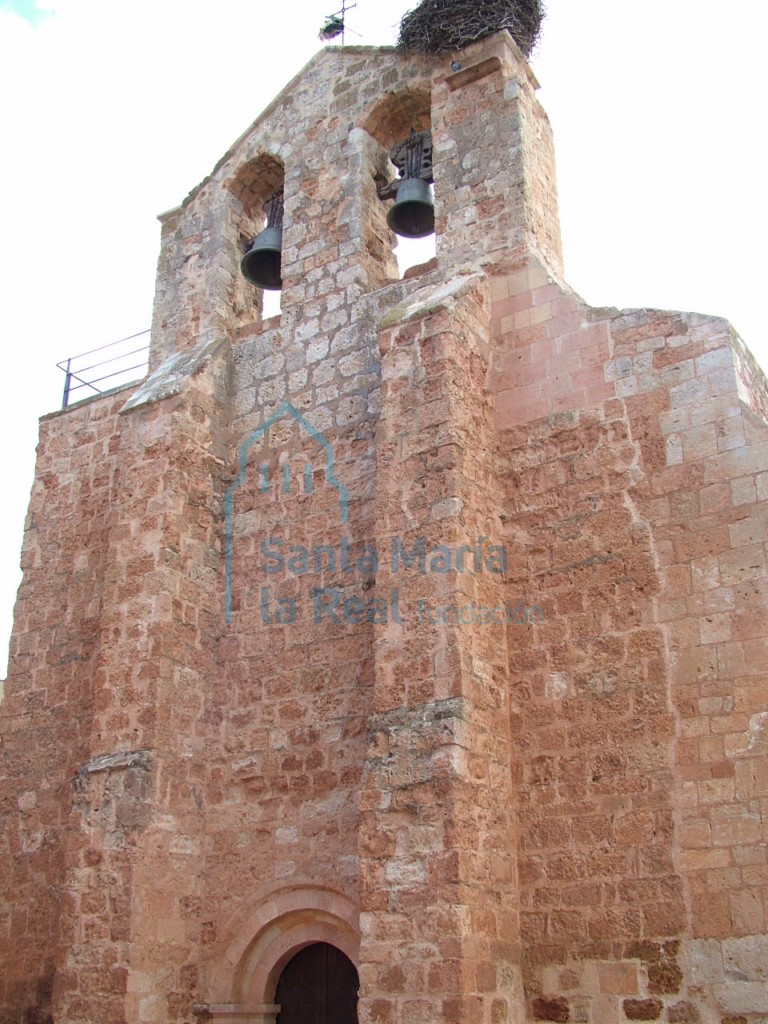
{"points": [[335, 23]]}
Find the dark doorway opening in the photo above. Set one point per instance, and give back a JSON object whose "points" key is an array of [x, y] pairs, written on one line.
{"points": [[318, 986]]}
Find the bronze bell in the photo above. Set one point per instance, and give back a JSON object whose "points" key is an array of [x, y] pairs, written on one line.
{"points": [[413, 214], [261, 264]]}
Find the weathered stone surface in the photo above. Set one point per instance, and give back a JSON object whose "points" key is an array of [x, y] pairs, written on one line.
{"points": [[551, 1009], [642, 1009], [267, 687], [170, 378], [683, 1013], [746, 959]]}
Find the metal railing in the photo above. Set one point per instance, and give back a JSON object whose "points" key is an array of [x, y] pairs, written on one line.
{"points": [[126, 361]]}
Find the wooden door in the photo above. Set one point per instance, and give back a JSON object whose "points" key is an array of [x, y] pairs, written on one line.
{"points": [[318, 986]]}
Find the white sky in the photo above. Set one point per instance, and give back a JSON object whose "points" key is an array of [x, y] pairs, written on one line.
{"points": [[111, 112]]}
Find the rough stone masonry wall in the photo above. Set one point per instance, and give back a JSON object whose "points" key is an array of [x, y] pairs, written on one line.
{"points": [[47, 710], [634, 450], [101, 723], [292, 694], [566, 822], [439, 912], [316, 130], [494, 192], [299, 688], [130, 938], [709, 518], [495, 185]]}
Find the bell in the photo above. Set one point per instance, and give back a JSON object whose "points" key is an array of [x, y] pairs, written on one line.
{"points": [[413, 214], [261, 264]]}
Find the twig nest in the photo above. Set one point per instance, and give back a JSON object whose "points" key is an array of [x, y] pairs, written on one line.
{"points": [[442, 26]]}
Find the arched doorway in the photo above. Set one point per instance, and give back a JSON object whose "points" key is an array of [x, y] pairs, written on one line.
{"points": [[318, 986]]}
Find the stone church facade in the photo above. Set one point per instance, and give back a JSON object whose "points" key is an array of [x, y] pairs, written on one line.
{"points": [[424, 623]]}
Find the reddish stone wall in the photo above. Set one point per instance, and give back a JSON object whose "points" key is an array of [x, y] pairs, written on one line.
{"points": [[640, 698], [440, 934], [555, 814], [593, 723], [139, 815], [292, 692], [47, 710]]}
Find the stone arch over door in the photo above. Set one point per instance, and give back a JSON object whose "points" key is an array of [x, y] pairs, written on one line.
{"points": [[268, 932]]}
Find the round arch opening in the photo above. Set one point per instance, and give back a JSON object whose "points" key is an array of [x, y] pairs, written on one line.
{"points": [[318, 985]]}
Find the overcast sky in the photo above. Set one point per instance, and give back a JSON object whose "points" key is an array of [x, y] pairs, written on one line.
{"points": [[111, 112]]}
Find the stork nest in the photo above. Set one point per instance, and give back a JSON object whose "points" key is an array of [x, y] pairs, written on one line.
{"points": [[442, 26]]}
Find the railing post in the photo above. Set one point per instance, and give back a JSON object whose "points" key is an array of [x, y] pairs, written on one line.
{"points": [[67, 380]]}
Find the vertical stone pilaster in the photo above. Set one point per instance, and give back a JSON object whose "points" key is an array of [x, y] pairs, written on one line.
{"points": [[46, 713], [135, 837], [495, 186], [438, 886]]}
